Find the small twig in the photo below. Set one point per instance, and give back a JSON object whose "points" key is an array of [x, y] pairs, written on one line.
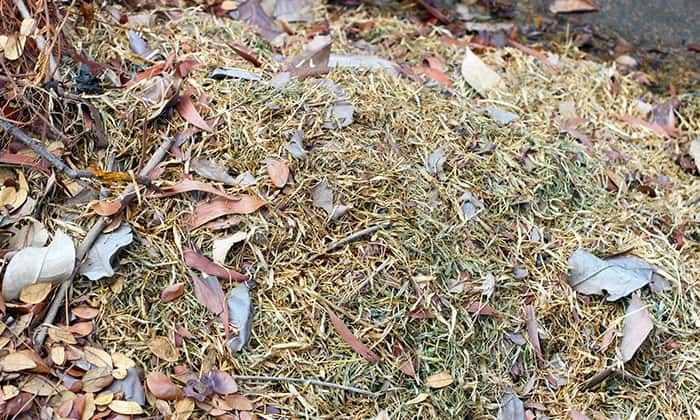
{"points": [[352, 237], [40, 42], [42, 152], [306, 381], [89, 240]]}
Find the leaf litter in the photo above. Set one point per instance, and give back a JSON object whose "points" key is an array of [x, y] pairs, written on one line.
{"points": [[377, 129]]}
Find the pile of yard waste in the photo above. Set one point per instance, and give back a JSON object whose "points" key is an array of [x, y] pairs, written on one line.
{"points": [[304, 210]]}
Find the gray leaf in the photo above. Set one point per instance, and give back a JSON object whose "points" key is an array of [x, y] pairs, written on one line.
{"points": [[322, 196], [363, 61], [470, 205], [98, 263], [615, 277], [296, 145], [341, 114], [138, 45], [246, 179], [292, 10], [240, 310], [131, 386], [210, 170], [435, 163], [501, 116], [511, 408]]}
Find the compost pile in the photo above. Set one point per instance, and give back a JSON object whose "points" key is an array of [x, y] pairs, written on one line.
{"points": [[296, 209]]}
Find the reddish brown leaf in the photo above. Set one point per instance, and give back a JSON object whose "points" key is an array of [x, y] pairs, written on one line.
{"points": [[207, 212], [532, 333], [577, 415], [187, 185], [252, 13], [246, 54], [408, 368], [313, 60], [223, 383], [24, 160], [184, 68], [172, 292], [536, 54], [107, 208], [186, 109], [482, 309], [81, 329], [278, 171], [205, 265], [351, 339], [435, 74], [209, 293], [85, 312], [182, 331], [162, 387], [638, 325]]}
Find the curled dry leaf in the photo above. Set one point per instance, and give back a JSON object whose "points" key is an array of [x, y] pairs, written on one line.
{"points": [[210, 170], [278, 171], [51, 264], [32, 234], [351, 339], [252, 13], [240, 309], [439, 380], [186, 109], [638, 325], [296, 145], [107, 208], [222, 246], [162, 387], [172, 292], [479, 75], [164, 349], [532, 332], [85, 312], [35, 293], [100, 259], [615, 277], [203, 264], [206, 212]]}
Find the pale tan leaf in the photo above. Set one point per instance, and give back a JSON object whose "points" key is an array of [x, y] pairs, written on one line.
{"points": [[89, 407], [439, 380], [120, 373], [61, 335], [164, 349], [121, 361], [222, 246], [573, 6], [184, 409], [479, 75], [35, 293], [127, 408], [58, 355], [104, 398], [97, 379], [694, 150], [9, 392], [98, 357], [16, 362], [41, 386]]}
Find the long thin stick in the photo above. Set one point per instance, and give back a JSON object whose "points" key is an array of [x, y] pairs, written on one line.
{"points": [[41, 151], [306, 381], [91, 237]]}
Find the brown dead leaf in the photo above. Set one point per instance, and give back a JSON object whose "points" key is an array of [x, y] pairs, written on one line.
{"points": [[203, 264], [351, 339], [172, 292], [209, 293], [638, 325], [107, 208], [313, 61], [439, 380], [97, 379], [35, 293], [278, 171], [127, 408], [184, 409], [82, 329], [186, 109], [104, 398], [223, 383], [162, 387], [61, 335], [663, 131], [121, 361], [17, 362], [479, 308], [85, 312], [206, 212], [573, 6], [164, 349], [532, 333], [98, 357], [577, 415], [58, 355]]}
